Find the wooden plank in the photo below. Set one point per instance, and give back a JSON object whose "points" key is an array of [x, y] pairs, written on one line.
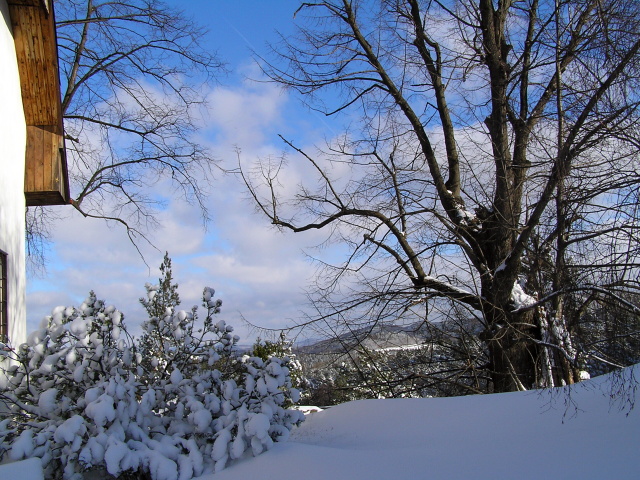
{"points": [[38, 158], [55, 144], [35, 42], [60, 175], [45, 176], [30, 164], [50, 157]]}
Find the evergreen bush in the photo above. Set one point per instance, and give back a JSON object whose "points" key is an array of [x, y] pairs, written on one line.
{"points": [[80, 395]]}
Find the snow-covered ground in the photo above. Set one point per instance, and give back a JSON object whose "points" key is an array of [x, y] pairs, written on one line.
{"points": [[529, 435], [30, 469], [564, 434]]}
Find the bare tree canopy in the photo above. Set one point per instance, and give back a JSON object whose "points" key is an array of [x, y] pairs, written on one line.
{"points": [[491, 165], [131, 75]]}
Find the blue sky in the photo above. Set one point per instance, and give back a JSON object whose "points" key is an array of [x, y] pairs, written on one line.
{"points": [[235, 26], [259, 273]]}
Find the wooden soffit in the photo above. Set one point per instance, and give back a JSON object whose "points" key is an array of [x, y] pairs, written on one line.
{"points": [[34, 34]]}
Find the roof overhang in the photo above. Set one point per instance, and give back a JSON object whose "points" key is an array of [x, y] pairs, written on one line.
{"points": [[34, 33]]}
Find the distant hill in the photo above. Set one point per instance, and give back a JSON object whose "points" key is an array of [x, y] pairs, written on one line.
{"points": [[376, 338]]}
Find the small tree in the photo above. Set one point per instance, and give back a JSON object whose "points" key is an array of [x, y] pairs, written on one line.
{"points": [[164, 295], [283, 349], [161, 300]]}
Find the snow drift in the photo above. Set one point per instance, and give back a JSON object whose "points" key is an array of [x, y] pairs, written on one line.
{"points": [[576, 432]]}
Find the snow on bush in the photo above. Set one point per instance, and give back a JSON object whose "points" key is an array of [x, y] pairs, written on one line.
{"points": [[79, 395]]}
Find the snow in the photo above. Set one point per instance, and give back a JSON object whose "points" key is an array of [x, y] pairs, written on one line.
{"points": [[219, 450], [23, 447], [101, 411], [258, 426], [308, 409], [402, 348], [70, 430], [47, 401], [466, 217], [30, 469], [524, 435], [202, 419], [562, 433], [115, 455], [176, 377], [519, 298]]}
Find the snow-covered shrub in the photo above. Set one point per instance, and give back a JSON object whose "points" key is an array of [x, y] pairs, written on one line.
{"points": [[282, 348], [79, 397], [75, 375]]}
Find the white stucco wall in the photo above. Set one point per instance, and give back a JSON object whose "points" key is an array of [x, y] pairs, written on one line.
{"points": [[12, 202]]}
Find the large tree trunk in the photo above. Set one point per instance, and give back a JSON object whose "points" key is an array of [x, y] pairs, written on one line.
{"points": [[514, 353]]}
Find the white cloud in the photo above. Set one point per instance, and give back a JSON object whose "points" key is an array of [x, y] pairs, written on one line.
{"points": [[245, 115], [258, 272]]}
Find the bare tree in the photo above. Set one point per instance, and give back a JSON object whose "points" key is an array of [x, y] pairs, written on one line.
{"points": [[132, 74], [491, 161]]}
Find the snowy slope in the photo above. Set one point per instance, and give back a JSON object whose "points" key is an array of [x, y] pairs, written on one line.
{"points": [[530, 435], [507, 436], [30, 469]]}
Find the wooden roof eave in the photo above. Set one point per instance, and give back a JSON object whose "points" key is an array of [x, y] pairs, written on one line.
{"points": [[34, 32]]}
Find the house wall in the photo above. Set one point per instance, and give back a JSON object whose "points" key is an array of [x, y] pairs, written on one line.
{"points": [[12, 158]]}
